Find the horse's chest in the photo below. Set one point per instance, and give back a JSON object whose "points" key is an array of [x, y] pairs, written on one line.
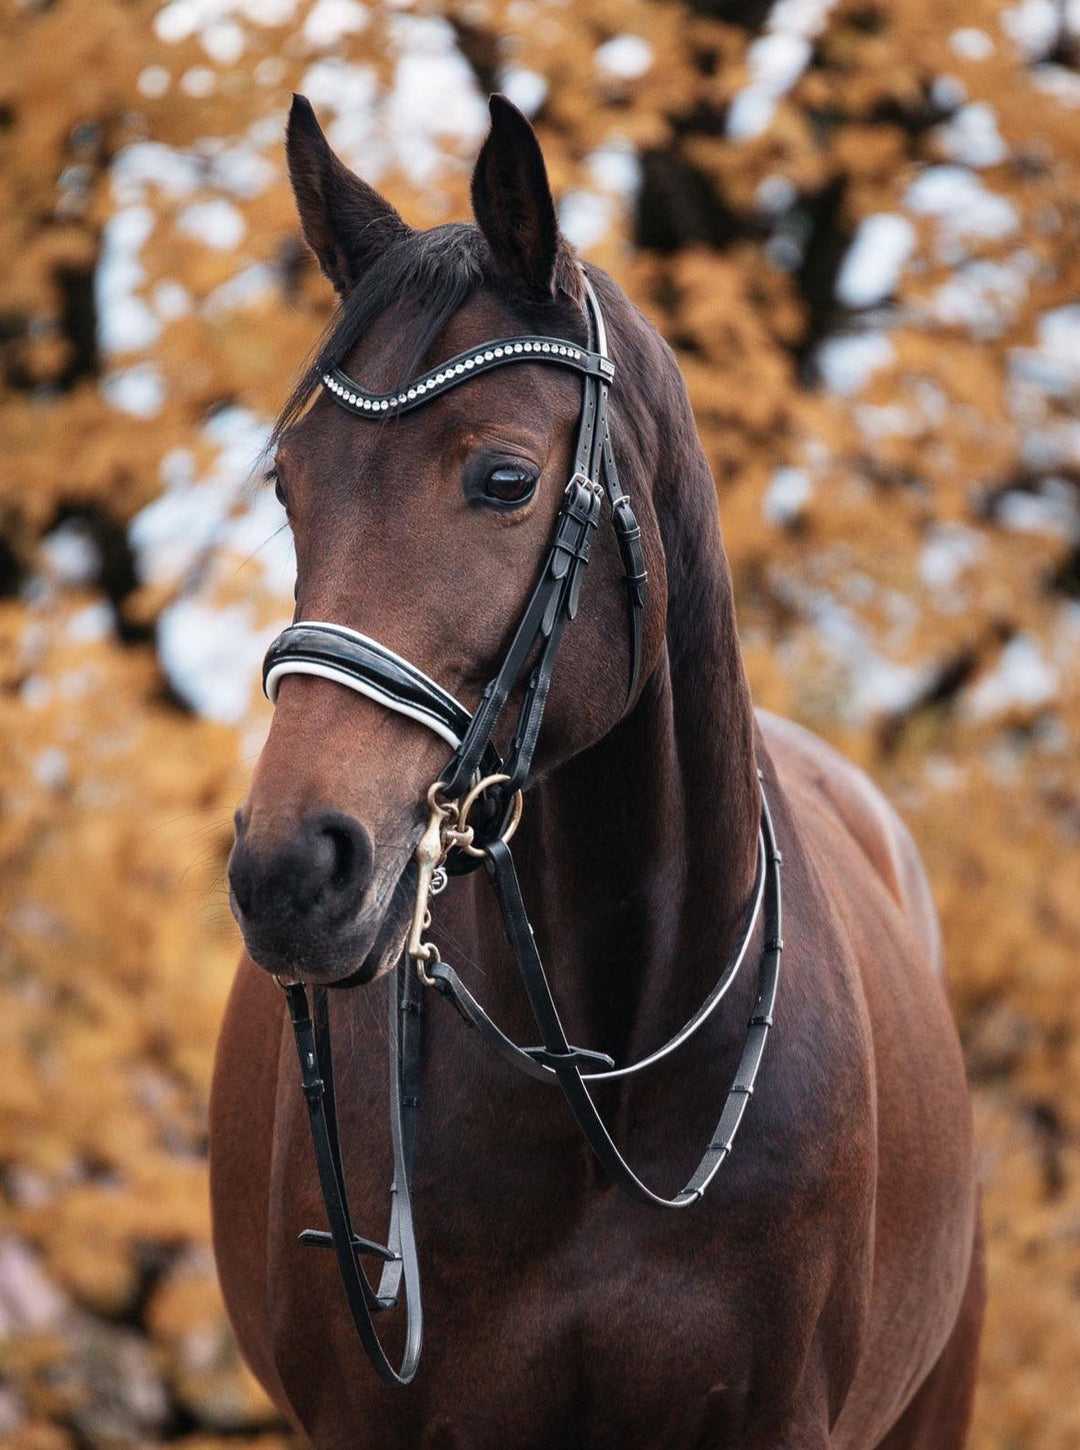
{"points": [[600, 1345], [556, 1311], [603, 1339]]}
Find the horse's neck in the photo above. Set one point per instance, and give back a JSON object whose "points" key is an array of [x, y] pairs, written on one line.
{"points": [[648, 843]]}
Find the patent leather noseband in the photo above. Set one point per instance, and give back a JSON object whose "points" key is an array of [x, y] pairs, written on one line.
{"points": [[336, 653], [454, 841]]}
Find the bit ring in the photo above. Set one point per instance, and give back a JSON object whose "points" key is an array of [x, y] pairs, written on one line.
{"points": [[470, 800]]}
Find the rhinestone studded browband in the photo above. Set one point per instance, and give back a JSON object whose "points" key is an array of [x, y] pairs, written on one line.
{"points": [[357, 399]]}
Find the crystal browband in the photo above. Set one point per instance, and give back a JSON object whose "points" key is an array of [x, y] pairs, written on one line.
{"points": [[350, 394]]}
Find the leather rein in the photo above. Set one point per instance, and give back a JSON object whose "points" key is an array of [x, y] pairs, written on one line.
{"points": [[477, 779]]}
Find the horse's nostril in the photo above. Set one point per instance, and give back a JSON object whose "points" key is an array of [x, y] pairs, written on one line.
{"points": [[241, 890], [316, 878], [345, 855], [343, 848]]}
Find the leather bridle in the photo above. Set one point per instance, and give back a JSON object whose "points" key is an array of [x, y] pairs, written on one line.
{"points": [[477, 778]]}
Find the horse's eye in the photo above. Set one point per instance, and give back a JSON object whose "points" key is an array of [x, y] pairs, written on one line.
{"points": [[272, 476], [510, 483]]}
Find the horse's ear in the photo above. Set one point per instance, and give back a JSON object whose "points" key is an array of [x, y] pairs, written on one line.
{"points": [[346, 223], [512, 201]]}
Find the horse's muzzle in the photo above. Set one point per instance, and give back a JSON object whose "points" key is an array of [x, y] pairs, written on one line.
{"points": [[300, 901]]}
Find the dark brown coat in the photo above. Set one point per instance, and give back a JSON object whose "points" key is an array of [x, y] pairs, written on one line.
{"points": [[828, 1292]]}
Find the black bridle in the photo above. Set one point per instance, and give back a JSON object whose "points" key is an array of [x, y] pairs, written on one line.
{"points": [[477, 776], [365, 665]]}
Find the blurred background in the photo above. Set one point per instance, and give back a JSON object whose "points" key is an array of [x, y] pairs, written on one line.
{"points": [[856, 222]]}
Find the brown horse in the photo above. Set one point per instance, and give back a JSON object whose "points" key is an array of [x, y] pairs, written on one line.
{"points": [[827, 1290]]}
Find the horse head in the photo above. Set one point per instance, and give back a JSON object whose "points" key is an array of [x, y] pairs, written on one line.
{"points": [[426, 529]]}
